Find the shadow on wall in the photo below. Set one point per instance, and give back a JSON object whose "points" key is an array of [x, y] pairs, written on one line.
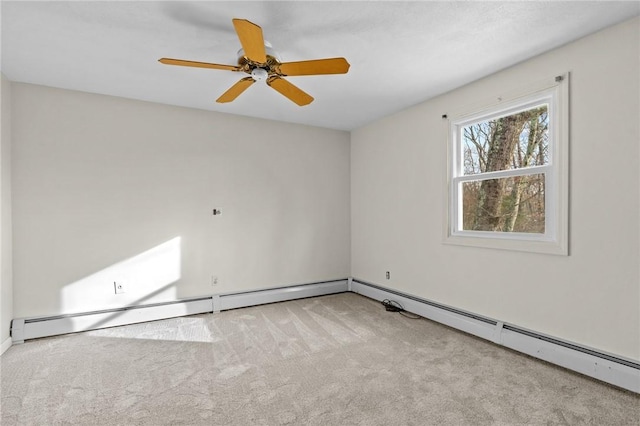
{"points": [[148, 277]]}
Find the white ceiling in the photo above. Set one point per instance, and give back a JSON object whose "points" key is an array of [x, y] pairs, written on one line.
{"points": [[401, 53]]}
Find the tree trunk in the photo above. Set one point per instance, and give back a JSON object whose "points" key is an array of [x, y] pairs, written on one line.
{"points": [[521, 182], [492, 192], [516, 196]]}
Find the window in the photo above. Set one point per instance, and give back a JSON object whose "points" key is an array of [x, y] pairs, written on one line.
{"points": [[508, 172]]}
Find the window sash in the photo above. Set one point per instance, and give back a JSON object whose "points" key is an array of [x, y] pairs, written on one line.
{"points": [[545, 97], [549, 217], [524, 171]]}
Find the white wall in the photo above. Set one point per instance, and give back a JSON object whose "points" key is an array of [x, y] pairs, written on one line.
{"points": [[112, 189], [591, 297], [6, 280]]}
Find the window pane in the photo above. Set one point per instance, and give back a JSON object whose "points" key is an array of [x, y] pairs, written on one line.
{"points": [[513, 204], [512, 142]]}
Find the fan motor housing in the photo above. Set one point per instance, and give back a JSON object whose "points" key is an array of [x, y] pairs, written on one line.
{"points": [[259, 71]]}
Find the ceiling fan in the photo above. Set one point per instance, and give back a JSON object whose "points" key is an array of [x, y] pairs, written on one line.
{"points": [[258, 59]]}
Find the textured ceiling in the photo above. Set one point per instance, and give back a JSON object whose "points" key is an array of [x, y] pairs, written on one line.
{"points": [[401, 53]]}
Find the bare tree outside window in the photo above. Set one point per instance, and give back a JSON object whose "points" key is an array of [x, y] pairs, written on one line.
{"points": [[514, 203]]}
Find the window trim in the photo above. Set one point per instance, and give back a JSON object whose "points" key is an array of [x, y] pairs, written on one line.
{"points": [[555, 92]]}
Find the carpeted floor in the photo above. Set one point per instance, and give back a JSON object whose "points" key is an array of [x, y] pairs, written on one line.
{"points": [[332, 360]]}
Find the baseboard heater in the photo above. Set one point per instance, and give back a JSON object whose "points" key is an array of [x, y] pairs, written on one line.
{"points": [[618, 371], [609, 368], [33, 328]]}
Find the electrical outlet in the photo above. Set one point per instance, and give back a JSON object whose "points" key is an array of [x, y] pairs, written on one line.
{"points": [[214, 280], [388, 275], [119, 287]]}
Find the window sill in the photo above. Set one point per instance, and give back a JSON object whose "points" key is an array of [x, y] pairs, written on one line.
{"points": [[533, 245]]}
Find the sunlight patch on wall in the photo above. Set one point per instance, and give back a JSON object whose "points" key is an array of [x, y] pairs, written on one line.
{"points": [[144, 278]]}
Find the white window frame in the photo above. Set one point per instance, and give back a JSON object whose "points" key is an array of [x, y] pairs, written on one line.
{"points": [[555, 93]]}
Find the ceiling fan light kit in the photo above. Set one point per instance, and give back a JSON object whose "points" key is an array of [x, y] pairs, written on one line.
{"points": [[258, 59], [259, 74]]}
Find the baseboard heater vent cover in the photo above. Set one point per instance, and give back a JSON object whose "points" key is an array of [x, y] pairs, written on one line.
{"points": [[612, 369], [33, 328]]}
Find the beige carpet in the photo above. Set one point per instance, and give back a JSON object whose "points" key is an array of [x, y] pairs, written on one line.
{"points": [[332, 360]]}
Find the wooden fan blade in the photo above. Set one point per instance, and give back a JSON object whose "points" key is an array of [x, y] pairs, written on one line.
{"points": [[289, 90], [250, 36], [170, 61], [314, 67], [235, 90]]}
